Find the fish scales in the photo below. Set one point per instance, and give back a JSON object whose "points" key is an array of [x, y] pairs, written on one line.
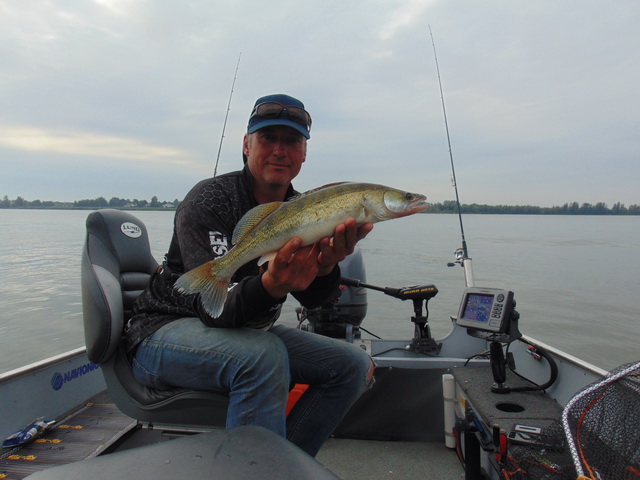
{"points": [[309, 217]]}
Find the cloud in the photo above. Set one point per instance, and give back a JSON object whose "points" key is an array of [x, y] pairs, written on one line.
{"points": [[88, 144], [532, 90], [407, 14]]}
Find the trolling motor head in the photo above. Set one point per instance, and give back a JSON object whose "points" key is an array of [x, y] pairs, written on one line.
{"points": [[422, 341]]}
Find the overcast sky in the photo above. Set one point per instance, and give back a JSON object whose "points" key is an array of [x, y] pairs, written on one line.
{"points": [[127, 98]]}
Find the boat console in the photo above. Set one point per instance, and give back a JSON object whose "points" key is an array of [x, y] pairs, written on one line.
{"points": [[491, 416]]}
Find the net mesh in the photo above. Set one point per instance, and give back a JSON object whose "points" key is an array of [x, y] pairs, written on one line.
{"points": [[546, 458], [602, 426]]}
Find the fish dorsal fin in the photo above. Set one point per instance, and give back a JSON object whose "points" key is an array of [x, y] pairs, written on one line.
{"points": [[313, 190], [251, 219]]}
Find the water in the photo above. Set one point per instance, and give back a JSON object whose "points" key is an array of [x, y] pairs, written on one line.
{"points": [[575, 278]]}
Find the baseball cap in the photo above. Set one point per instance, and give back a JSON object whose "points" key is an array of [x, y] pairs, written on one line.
{"points": [[279, 109]]}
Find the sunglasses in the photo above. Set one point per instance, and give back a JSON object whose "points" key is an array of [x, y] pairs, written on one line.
{"points": [[274, 109]]}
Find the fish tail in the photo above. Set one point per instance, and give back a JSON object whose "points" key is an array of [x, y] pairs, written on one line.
{"points": [[211, 287]]}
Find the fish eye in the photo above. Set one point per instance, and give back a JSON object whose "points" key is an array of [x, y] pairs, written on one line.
{"points": [[408, 196]]}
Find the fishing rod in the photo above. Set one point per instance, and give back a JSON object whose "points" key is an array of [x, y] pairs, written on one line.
{"points": [[224, 125], [462, 254]]}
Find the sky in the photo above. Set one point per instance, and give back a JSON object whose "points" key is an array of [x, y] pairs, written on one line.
{"points": [[128, 98]]}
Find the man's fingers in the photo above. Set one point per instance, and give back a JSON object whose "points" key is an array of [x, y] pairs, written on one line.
{"points": [[363, 231]]}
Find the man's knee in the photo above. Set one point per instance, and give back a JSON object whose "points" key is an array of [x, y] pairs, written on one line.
{"points": [[366, 367], [370, 372], [267, 354]]}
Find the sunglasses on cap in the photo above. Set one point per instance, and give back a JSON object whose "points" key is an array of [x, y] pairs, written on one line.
{"points": [[274, 109]]}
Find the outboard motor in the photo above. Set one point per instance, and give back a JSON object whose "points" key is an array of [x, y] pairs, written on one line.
{"points": [[342, 318]]}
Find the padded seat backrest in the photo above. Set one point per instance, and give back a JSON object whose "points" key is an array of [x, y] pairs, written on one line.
{"points": [[116, 266]]}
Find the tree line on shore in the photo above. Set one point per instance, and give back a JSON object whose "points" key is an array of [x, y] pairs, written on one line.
{"points": [[574, 208], [99, 202], [448, 206]]}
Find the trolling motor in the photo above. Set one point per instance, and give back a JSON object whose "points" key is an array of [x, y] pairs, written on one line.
{"points": [[422, 341], [342, 318]]}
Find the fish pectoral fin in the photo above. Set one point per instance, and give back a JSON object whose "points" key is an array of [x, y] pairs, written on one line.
{"points": [[267, 257], [370, 213], [251, 219]]}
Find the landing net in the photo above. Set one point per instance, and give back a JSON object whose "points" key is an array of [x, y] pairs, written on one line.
{"points": [[602, 426], [546, 458]]}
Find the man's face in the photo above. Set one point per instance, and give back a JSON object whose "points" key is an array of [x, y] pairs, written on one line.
{"points": [[275, 154]]}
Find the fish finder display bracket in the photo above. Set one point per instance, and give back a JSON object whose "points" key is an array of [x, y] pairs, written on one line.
{"points": [[489, 313]]}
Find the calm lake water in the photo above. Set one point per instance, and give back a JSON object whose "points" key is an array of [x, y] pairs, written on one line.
{"points": [[576, 279]]}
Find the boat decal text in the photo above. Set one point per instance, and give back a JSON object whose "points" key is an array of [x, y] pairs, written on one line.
{"points": [[59, 379]]}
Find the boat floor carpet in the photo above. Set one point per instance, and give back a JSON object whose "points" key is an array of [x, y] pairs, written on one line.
{"points": [[83, 434], [390, 460]]}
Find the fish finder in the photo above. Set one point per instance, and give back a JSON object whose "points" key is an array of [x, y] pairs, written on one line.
{"points": [[486, 309], [489, 313]]}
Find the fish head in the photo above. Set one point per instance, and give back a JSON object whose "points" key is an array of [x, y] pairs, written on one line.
{"points": [[401, 204]]}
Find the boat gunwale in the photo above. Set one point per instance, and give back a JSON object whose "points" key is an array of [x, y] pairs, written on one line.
{"points": [[35, 367], [568, 357]]}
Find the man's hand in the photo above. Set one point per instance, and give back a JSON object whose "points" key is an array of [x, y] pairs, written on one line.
{"points": [[335, 249], [295, 267], [292, 269]]}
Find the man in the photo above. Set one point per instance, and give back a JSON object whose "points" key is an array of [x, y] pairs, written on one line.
{"points": [[173, 342]]}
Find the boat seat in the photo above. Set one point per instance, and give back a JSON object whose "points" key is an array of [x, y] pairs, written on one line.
{"points": [[116, 266], [243, 452]]}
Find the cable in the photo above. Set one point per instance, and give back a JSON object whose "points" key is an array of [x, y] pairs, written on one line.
{"points": [[553, 374], [370, 333]]}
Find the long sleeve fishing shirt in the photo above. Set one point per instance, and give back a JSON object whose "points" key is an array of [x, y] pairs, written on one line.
{"points": [[203, 228]]}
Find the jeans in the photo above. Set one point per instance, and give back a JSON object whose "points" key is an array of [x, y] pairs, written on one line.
{"points": [[257, 368]]}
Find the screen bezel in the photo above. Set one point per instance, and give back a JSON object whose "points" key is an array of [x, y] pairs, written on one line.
{"points": [[499, 323]]}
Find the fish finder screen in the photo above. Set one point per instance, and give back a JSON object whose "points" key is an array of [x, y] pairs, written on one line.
{"points": [[486, 309], [478, 308]]}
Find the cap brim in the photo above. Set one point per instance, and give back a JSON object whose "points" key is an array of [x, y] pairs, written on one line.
{"points": [[279, 121]]}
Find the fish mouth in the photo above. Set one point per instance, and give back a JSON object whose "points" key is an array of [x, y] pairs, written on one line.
{"points": [[419, 206], [402, 203]]}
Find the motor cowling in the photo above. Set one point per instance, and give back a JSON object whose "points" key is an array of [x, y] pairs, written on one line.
{"points": [[342, 318]]}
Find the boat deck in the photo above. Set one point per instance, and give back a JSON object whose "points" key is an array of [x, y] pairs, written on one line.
{"points": [[383, 460], [98, 428]]}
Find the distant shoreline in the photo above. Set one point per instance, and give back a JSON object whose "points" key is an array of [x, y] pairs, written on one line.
{"points": [[448, 206], [435, 209], [146, 209]]}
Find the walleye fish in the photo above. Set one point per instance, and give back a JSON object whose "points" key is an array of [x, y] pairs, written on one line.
{"points": [[309, 216]]}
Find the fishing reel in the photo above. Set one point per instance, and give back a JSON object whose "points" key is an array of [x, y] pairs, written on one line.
{"points": [[459, 256]]}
